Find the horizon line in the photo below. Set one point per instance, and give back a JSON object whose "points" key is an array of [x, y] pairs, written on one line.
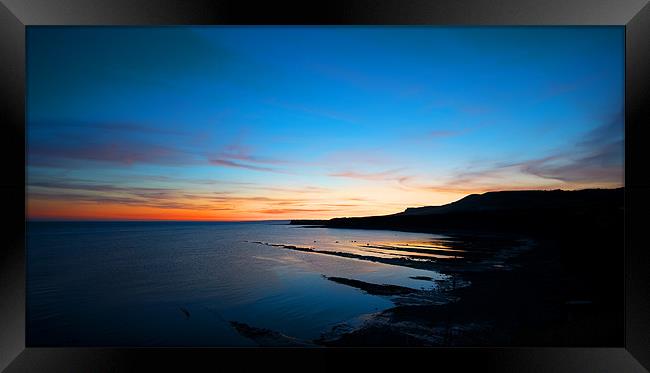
{"points": [[135, 220]]}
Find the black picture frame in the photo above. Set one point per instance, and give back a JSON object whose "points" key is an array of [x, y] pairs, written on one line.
{"points": [[16, 15]]}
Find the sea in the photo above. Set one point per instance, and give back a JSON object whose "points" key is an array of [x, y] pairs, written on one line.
{"points": [[132, 284]]}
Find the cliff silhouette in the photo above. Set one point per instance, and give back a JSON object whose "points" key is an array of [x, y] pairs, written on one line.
{"points": [[521, 211]]}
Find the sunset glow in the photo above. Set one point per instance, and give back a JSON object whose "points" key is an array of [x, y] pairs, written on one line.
{"points": [[263, 123]]}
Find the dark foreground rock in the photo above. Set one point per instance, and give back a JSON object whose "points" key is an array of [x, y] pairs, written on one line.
{"points": [[374, 289], [266, 337]]}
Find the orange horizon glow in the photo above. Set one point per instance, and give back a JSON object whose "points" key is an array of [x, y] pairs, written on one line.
{"points": [[249, 209]]}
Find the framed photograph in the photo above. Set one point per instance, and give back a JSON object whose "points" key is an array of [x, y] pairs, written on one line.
{"points": [[192, 184]]}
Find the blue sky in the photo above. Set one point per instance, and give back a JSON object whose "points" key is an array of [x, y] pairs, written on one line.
{"points": [[239, 123]]}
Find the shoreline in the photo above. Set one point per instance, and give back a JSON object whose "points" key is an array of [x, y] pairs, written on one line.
{"points": [[408, 303], [531, 290]]}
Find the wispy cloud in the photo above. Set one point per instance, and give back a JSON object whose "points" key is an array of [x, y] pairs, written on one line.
{"points": [[237, 155], [229, 163], [130, 127], [82, 144], [54, 188], [393, 174], [596, 158], [297, 190], [123, 152], [556, 89], [239, 152], [162, 198], [288, 211]]}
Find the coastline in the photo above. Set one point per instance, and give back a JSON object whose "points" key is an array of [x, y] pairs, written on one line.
{"points": [[537, 297], [554, 286], [413, 319]]}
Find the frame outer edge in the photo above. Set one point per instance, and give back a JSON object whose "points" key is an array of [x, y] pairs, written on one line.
{"points": [[12, 45]]}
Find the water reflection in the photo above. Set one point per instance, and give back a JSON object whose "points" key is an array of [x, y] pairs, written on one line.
{"points": [[181, 284]]}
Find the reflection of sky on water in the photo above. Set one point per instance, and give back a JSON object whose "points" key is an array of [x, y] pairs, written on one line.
{"points": [[125, 283]]}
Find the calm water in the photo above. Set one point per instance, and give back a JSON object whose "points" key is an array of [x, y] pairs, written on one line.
{"points": [[124, 284]]}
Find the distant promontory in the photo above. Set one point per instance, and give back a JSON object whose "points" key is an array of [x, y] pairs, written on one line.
{"points": [[529, 210]]}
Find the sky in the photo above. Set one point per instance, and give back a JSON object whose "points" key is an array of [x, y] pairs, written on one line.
{"points": [[262, 123]]}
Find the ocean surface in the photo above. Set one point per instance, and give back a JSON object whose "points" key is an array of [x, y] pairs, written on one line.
{"points": [[182, 283]]}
